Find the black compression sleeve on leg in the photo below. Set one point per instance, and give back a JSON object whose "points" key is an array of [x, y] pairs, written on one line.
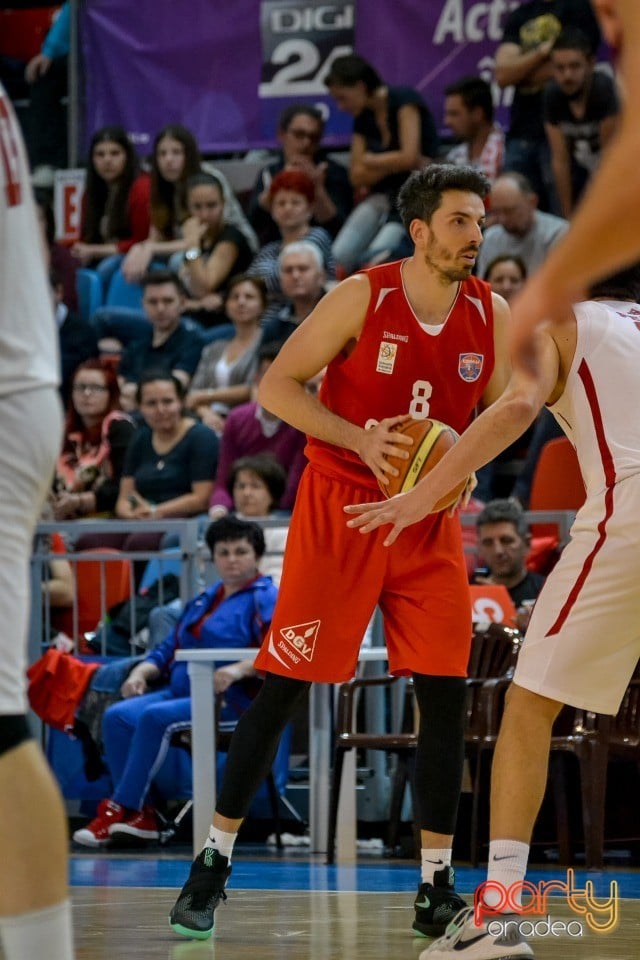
{"points": [[440, 751], [255, 743], [14, 730]]}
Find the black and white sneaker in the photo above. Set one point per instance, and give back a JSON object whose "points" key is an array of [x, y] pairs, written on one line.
{"points": [[192, 914], [464, 939], [437, 904]]}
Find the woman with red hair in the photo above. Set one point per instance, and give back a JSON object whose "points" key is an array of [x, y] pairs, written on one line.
{"points": [[96, 435], [291, 196]]}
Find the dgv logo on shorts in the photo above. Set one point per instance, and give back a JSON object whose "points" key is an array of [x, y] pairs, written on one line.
{"points": [[299, 640]]}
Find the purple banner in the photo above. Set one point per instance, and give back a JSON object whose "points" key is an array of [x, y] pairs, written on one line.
{"points": [[227, 70]]}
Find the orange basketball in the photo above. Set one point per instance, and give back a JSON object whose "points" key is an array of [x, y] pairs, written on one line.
{"points": [[431, 440]]}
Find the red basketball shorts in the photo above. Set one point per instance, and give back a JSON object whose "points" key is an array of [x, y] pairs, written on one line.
{"points": [[333, 577]]}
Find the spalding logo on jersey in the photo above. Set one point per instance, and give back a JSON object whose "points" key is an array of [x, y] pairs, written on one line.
{"points": [[470, 366]]}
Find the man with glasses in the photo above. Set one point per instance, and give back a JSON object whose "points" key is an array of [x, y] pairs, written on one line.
{"points": [[300, 130]]}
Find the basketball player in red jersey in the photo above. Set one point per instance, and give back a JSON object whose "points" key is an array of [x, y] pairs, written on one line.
{"points": [[417, 338], [588, 375], [602, 237]]}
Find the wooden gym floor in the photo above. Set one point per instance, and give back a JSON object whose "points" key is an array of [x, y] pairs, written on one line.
{"points": [[294, 907]]}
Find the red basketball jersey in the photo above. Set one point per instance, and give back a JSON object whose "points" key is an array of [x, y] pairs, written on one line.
{"points": [[400, 366]]}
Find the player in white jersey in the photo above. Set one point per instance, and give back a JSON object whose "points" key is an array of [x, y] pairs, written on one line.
{"points": [[583, 640], [35, 917]]}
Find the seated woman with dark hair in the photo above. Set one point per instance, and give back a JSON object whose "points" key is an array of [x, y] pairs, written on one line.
{"points": [[216, 250], [257, 484], [223, 377], [506, 274], [116, 202], [235, 612], [171, 462], [96, 435]]}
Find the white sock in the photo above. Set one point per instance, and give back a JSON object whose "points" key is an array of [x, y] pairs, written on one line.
{"points": [[507, 865], [433, 860], [221, 841], [39, 933]]}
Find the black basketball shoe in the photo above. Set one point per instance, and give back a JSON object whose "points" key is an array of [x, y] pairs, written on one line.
{"points": [[437, 904], [192, 915]]}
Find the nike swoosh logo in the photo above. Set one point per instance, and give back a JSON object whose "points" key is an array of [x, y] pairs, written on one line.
{"points": [[425, 903], [508, 857], [435, 861], [462, 945]]}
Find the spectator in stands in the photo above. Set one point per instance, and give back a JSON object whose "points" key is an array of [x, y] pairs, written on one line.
{"points": [[506, 275], [236, 610], [96, 435], [250, 430], [302, 281], [580, 110], [171, 461], [216, 250], [76, 337], [167, 343], [393, 134], [503, 545], [523, 60], [59, 259], [46, 73], [292, 196], [257, 485], [468, 113], [300, 129], [520, 228], [176, 158], [115, 204], [227, 365]]}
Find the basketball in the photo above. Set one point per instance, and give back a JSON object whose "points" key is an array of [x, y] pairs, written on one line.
{"points": [[431, 440]]}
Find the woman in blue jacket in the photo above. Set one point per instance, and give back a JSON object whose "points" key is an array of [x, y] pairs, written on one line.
{"points": [[235, 612]]}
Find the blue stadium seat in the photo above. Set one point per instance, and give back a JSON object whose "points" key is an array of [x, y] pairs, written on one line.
{"points": [[123, 294], [89, 289]]}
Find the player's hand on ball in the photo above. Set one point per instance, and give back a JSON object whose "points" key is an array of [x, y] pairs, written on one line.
{"points": [[400, 511], [380, 442], [465, 495]]}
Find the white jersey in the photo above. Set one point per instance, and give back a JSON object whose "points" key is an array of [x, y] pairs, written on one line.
{"points": [[28, 337], [598, 409]]}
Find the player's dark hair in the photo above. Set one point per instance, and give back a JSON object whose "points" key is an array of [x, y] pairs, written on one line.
{"points": [[504, 511], [573, 38], [474, 92], [350, 70], [622, 285], [233, 528], [421, 193]]}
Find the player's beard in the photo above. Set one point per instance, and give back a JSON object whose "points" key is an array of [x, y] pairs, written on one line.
{"points": [[442, 262]]}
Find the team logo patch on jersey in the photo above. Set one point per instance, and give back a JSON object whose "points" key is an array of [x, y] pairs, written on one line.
{"points": [[299, 640], [386, 357], [470, 366]]}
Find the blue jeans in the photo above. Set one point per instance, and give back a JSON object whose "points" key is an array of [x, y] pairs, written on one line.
{"points": [[532, 158], [366, 234]]}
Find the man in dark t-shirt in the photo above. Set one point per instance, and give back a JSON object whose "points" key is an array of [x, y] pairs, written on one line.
{"points": [[171, 344], [523, 60], [580, 109]]}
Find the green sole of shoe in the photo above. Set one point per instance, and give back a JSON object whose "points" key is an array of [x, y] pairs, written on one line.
{"points": [[191, 934]]}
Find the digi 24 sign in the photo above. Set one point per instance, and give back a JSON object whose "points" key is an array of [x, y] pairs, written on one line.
{"points": [[300, 41]]}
